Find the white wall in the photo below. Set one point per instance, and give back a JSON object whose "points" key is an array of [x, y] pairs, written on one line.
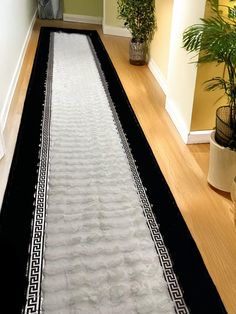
{"points": [[181, 76], [16, 20]]}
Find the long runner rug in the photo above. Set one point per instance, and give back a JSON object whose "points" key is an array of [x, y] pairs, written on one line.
{"points": [[88, 223]]}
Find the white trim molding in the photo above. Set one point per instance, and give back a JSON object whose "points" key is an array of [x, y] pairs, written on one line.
{"points": [[12, 86], [177, 119], [192, 137], [2, 144], [188, 137], [115, 31], [158, 75], [199, 137], [82, 18]]}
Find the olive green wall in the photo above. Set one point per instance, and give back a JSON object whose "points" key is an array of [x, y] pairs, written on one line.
{"points": [[95, 8], [84, 7], [160, 45], [110, 14], [205, 103]]}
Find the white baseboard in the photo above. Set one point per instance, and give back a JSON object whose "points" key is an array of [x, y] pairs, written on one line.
{"points": [[177, 120], [158, 75], [116, 31], [12, 86], [192, 137], [82, 19], [199, 137]]}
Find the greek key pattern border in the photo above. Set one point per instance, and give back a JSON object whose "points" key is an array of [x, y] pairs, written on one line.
{"points": [[35, 264], [162, 252]]}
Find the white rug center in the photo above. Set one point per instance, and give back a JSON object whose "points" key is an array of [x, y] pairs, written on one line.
{"points": [[99, 254]]}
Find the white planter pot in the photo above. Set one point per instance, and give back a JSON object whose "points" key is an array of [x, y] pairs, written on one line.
{"points": [[222, 166]]}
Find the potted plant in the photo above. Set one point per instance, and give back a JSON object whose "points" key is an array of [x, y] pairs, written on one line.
{"points": [[139, 18], [215, 41]]}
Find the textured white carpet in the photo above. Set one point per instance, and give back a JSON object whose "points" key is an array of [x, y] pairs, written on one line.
{"points": [[99, 255]]}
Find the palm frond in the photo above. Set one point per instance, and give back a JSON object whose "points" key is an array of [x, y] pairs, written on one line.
{"points": [[192, 38], [232, 13], [214, 38], [216, 83]]}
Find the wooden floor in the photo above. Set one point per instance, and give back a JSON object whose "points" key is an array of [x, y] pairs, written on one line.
{"points": [[206, 211]]}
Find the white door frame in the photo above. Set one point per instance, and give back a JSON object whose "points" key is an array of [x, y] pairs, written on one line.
{"points": [[2, 144]]}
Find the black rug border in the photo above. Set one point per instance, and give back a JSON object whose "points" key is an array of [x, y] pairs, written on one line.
{"points": [[199, 291]]}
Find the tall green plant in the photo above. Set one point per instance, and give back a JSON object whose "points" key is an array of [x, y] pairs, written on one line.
{"points": [[215, 40], [139, 18]]}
